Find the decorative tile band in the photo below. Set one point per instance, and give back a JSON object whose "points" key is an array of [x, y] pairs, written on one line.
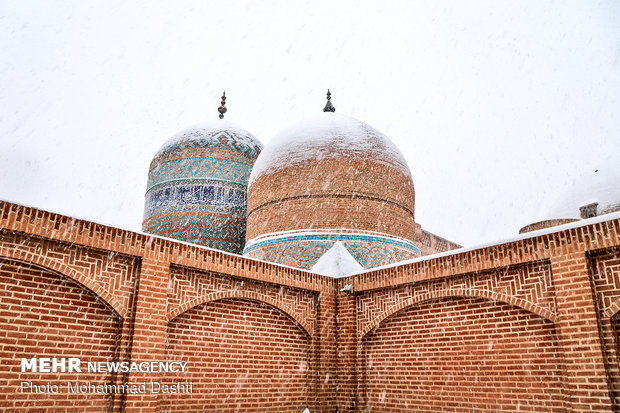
{"points": [[199, 169], [187, 196], [303, 251], [221, 232], [335, 236]]}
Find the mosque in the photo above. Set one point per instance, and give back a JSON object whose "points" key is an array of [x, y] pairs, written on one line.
{"points": [[293, 277], [328, 182]]}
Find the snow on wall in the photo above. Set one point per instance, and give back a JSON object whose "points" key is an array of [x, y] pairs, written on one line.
{"points": [[532, 234]]}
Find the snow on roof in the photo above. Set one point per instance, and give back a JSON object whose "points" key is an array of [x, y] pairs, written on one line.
{"points": [[601, 185], [532, 234], [206, 129], [328, 135], [147, 234], [341, 263], [337, 262]]}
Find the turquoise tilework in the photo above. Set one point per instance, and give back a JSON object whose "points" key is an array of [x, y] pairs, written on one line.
{"points": [[303, 251], [190, 169]]}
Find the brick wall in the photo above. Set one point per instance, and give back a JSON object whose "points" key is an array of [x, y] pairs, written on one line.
{"points": [[530, 324], [430, 243], [605, 269], [527, 285], [189, 287], [46, 315], [242, 356], [379, 198], [462, 354]]}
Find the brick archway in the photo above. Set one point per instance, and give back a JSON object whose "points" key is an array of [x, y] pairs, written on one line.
{"points": [[64, 270], [613, 309], [431, 295], [248, 295]]}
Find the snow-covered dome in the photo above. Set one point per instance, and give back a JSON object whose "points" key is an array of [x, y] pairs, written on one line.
{"points": [[596, 192], [327, 176], [600, 186], [328, 136], [197, 186]]}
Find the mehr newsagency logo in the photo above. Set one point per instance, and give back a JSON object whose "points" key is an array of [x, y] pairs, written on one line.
{"points": [[73, 365]]}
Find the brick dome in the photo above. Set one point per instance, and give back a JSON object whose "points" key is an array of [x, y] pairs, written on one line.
{"points": [[197, 186], [326, 179]]}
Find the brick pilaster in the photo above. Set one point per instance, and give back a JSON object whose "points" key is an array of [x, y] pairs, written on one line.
{"points": [[149, 330], [586, 386], [347, 352], [326, 349]]}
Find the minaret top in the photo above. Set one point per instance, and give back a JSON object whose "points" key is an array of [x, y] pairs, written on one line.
{"points": [[328, 106], [222, 108]]}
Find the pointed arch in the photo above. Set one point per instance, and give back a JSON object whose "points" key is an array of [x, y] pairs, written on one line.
{"points": [[248, 295], [612, 309], [444, 293], [60, 268]]}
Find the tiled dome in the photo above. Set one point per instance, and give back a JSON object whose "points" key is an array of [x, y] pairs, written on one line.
{"points": [[331, 178], [197, 186]]}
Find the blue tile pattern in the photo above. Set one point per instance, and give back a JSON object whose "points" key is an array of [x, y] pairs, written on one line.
{"points": [[205, 139], [219, 232], [197, 188], [219, 197], [335, 236], [303, 251], [199, 169]]}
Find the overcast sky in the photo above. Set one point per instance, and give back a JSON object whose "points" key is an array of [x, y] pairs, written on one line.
{"points": [[498, 106]]}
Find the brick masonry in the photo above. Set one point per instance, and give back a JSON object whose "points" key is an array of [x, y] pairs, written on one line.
{"points": [[459, 353], [234, 361], [605, 270], [277, 202], [46, 314], [529, 325]]}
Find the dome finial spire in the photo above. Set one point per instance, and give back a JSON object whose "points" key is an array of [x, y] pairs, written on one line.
{"points": [[222, 108], [328, 106]]}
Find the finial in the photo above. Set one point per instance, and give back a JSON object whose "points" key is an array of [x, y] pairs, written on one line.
{"points": [[222, 108], [328, 106]]}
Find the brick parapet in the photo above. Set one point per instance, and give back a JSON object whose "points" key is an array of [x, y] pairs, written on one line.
{"points": [[591, 237], [605, 270], [189, 287], [111, 276], [325, 350], [49, 225], [586, 385], [347, 352]]}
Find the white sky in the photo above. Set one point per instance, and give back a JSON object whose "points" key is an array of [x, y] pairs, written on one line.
{"points": [[498, 106]]}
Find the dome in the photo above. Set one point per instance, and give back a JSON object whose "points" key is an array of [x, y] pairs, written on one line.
{"points": [[596, 192], [197, 186], [331, 178], [600, 186]]}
